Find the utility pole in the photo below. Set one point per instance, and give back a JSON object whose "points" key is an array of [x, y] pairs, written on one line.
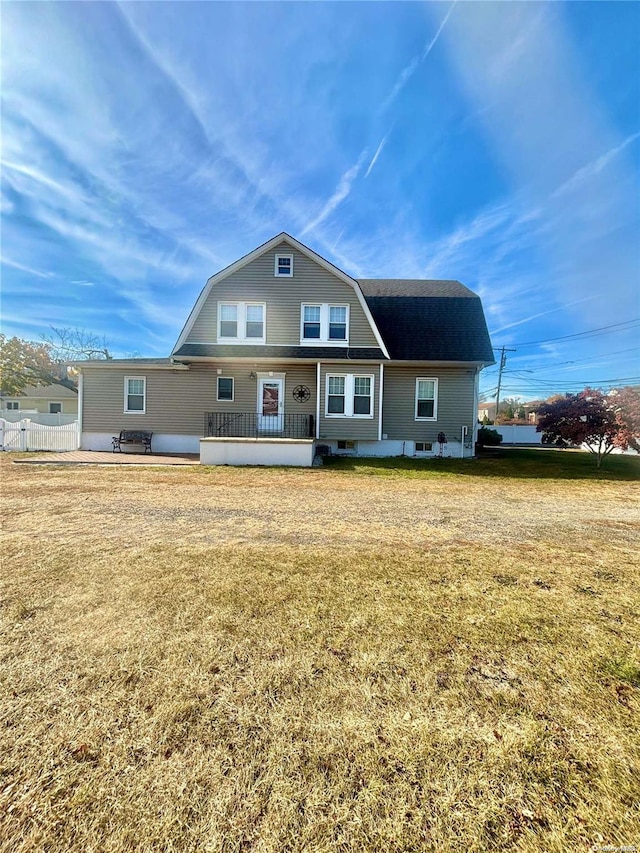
{"points": [[503, 360]]}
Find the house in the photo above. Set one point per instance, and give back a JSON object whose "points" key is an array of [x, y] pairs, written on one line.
{"points": [[488, 410], [283, 352], [45, 399]]}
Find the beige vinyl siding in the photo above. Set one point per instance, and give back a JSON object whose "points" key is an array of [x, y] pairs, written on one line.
{"points": [[350, 428], [176, 401], [283, 296], [455, 403]]}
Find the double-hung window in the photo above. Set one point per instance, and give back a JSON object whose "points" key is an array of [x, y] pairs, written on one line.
{"points": [[12, 406], [311, 322], [426, 399], [135, 394], [337, 322], [323, 323], [336, 395], [240, 322], [254, 325], [361, 395], [228, 321], [349, 396]]}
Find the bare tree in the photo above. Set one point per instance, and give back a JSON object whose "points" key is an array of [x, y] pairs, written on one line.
{"points": [[67, 344]]}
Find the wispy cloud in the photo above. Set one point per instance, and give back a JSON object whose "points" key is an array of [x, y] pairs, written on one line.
{"points": [[541, 314], [341, 192], [23, 268], [410, 69], [595, 166], [376, 155]]}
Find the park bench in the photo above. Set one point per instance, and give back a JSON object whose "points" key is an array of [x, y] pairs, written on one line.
{"points": [[132, 436]]}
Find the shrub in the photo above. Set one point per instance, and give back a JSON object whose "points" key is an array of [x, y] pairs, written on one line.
{"points": [[488, 437]]}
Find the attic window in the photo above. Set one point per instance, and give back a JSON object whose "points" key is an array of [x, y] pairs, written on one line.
{"points": [[284, 266]]}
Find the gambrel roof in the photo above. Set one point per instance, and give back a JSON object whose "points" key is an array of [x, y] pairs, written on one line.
{"points": [[412, 319], [429, 320]]}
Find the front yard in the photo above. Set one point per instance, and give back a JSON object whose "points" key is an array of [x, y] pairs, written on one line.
{"points": [[361, 657]]}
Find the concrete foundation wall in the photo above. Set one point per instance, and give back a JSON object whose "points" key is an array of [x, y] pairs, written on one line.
{"points": [[160, 443], [249, 451]]}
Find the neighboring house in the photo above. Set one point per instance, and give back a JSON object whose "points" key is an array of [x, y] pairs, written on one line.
{"points": [[488, 410], [282, 346], [46, 399]]}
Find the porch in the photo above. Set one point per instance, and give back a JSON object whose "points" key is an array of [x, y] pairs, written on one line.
{"points": [[256, 426]]}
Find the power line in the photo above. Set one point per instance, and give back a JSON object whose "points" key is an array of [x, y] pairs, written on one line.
{"points": [[593, 383], [555, 365], [588, 333]]}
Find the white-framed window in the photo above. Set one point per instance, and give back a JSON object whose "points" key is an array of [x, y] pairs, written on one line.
{"points": [[349, 396], [337, 322], [336, 395], [283, 266], [225, 388], [228, 325], [311, 322], [135, 394], [241, 322], [55, 408], [12, 405], [324, 323], [426, 399]]}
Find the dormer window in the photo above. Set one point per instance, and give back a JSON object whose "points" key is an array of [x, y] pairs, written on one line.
{"points": [[284, 266]]}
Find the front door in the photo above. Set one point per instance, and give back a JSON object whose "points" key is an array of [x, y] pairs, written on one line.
{"points": [[270, 404]]}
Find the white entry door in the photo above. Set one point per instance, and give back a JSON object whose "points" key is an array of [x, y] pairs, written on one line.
{"points": [[270, 404]]}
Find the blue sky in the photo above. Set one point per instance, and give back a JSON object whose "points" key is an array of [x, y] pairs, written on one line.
{"points": [[148, 145]]}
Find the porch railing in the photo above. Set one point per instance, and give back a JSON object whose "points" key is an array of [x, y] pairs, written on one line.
{"points": [[252, 425]]}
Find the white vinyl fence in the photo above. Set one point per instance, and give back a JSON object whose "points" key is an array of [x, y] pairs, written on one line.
{"points": [[518, 434], [37, 417], [27, 435]]}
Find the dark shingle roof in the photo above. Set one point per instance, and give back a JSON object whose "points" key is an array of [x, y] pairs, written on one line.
{"points": [[428, 320], [413, 287], [261, 351]]}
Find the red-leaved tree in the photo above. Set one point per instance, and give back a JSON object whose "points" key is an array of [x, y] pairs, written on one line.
{"points": [[626, 404], [585, 419]]}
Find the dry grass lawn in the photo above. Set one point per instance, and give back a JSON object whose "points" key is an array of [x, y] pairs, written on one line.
{"points": [[427, 658]]}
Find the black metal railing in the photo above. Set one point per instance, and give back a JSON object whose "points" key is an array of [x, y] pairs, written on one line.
{"points": [[252, 425]]}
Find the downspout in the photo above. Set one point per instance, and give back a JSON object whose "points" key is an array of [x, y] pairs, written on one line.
{"points": [[463, 435], [380, 394], [474, 420], [318, 400], [80, 405]]}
